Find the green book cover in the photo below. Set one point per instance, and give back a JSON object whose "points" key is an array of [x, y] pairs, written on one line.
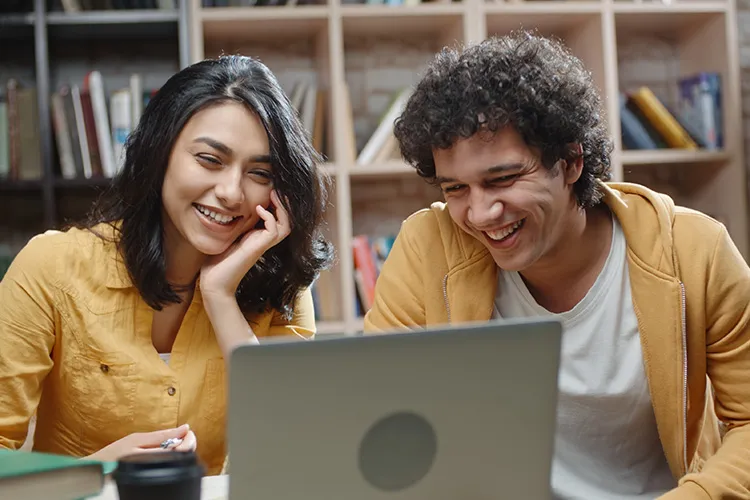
{"points": [[20, 463], [30, 466]]}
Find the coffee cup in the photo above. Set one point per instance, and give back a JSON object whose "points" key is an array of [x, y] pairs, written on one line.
{"points": [[169, 475]]}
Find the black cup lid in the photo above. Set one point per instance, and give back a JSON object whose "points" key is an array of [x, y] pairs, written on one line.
{"points": [[150, 460], [158, 466]]}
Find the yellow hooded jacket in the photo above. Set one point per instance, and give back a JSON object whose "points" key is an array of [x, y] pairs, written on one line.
{"points": [[690, 289]]}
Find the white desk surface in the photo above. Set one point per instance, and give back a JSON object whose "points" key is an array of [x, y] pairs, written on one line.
{"points": [[213, 488]]}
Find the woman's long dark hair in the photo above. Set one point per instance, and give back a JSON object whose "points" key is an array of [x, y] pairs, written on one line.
{"points": [[132, 204]]}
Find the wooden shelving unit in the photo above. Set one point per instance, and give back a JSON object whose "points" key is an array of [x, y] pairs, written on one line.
{"points": [[702, 35], [369, 51]]}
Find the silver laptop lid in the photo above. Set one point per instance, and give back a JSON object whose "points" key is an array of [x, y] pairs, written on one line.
{"points": [[449, 413]]}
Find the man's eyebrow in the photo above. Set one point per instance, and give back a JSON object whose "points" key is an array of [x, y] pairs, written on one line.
{"points": [[443, 180], [496, 169], [226, 150]]}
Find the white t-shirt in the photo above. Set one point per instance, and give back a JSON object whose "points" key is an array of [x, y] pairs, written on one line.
{"points": [[165, 356], [606, 442]]}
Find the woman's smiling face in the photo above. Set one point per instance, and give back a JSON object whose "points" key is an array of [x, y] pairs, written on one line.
{"points": [[218, 172]]}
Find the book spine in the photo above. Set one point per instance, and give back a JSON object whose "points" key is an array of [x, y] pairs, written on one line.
{"points": [[673, 133], [62, 137], [101, 119], [84, 140]]}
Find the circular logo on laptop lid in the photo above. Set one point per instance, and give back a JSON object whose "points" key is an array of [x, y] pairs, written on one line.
{"points": [[397, 451]]}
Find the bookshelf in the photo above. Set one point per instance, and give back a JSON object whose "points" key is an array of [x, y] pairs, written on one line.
{"points": [[360, 55], [369, 51], [56, 48]]}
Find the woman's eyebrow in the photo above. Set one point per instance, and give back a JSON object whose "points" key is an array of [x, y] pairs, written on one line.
{"points": [[217, 145]]}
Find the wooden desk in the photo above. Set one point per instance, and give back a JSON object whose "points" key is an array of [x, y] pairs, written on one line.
{"points": [[213, 488]]}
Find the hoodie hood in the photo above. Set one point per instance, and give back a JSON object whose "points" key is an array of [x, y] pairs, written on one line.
{"points": [[647, 226]]}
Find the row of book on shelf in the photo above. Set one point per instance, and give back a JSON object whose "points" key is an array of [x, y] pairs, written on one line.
{"points": [[91, 125], [647, 122], [89, 130], [91, 141]]}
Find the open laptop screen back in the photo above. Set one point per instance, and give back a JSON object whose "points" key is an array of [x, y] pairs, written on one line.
{"points": [[465, 412]]}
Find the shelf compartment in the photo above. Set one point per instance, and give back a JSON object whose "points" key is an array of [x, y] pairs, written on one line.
{"points": [[293, 43], [385, 54], [657, 46], [697, 37], [685, 44], [380, 205]]}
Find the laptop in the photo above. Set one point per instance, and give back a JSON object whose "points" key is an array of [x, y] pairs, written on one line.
{"points": [[457, 412]]}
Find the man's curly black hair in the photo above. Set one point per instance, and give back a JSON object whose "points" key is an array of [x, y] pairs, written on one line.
{"points": [[524, 80]]}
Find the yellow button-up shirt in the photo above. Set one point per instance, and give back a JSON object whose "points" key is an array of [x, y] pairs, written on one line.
{"points": [[75, 347]]}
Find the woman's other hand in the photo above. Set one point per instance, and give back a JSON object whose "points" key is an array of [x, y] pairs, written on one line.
{"points": [[147, 442]]}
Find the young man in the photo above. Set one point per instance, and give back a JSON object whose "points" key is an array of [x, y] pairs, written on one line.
{"points": [[653, 297]]}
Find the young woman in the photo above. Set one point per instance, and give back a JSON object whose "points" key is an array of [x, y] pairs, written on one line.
{"points": [[116, 332]]}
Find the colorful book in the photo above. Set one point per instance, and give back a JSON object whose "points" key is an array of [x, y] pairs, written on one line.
{"points": [[662, 120], [700, 106], [634, 134]]}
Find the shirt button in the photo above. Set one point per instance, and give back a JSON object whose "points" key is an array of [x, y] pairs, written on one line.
{"points": [[171, 391], [104, 368]]}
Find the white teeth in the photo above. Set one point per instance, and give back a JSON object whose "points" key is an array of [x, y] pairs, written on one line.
{"points": [[220, 218], [505, 232]]}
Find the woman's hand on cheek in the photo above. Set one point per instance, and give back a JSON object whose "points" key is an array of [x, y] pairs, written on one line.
{"points": [[221, 274]]}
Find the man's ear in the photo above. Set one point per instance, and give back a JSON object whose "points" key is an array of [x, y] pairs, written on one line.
{"points": [[572, 166]]}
